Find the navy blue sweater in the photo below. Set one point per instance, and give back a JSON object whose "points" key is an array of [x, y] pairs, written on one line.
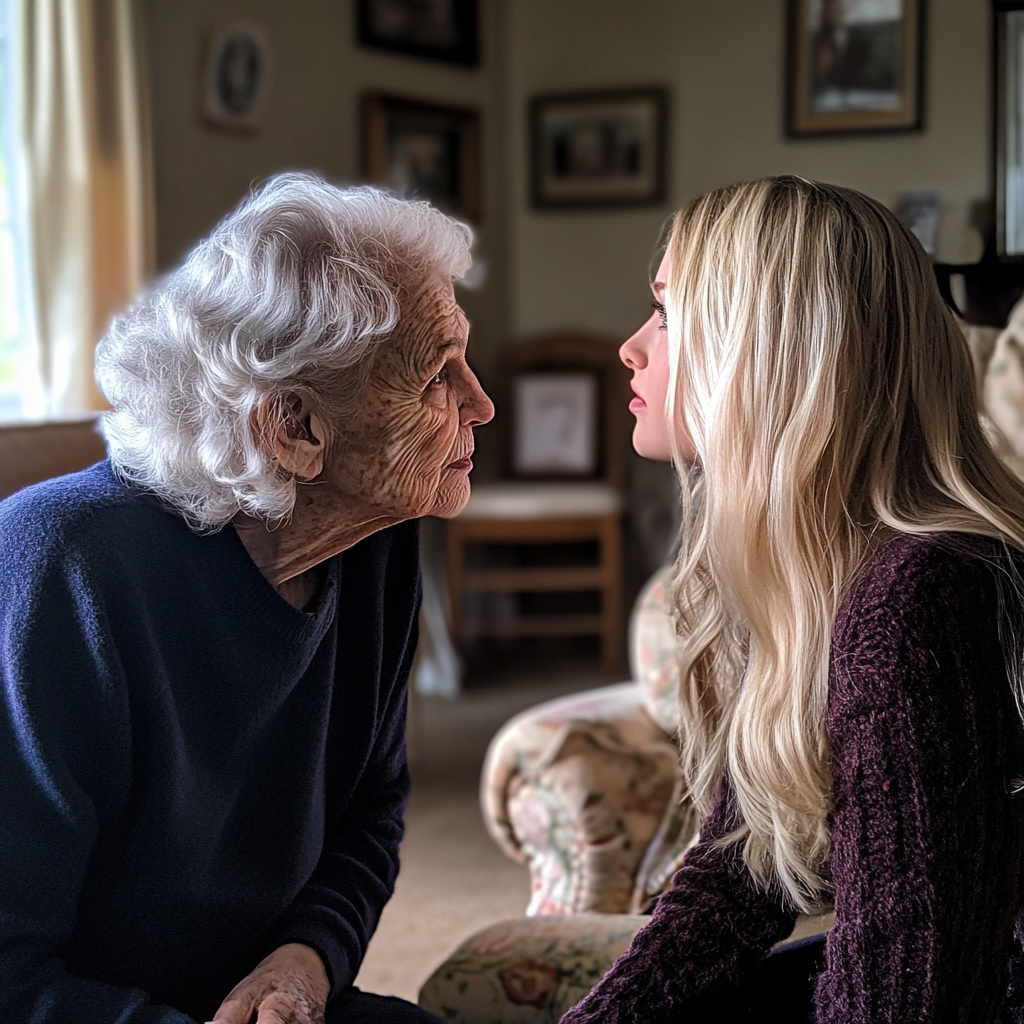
{"points": [[192, 771]]}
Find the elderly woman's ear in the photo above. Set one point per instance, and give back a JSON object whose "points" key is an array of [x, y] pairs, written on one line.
{"points": [[291, 427]]}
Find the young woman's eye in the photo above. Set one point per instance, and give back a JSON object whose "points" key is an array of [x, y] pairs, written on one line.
{"points": [[662, 315]]}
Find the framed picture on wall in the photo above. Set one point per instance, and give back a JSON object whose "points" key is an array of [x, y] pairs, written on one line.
{"points": [[1009, 134], [424, 150], [854, 66], [444, 30], [599, 149], [236, 76]]}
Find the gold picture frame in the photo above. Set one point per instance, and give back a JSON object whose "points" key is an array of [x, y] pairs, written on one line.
{"points": [[854, 66]]}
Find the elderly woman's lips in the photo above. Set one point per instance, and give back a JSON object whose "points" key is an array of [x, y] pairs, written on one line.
{"points": [[465, 463]]}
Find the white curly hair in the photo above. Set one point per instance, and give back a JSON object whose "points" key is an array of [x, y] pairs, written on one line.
{"points": [[294, 289]]}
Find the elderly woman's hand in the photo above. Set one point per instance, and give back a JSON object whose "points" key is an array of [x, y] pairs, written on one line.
{"points": [[288, 987]]}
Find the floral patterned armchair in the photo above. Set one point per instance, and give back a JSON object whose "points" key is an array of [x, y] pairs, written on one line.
{"points": [[586, 789]]}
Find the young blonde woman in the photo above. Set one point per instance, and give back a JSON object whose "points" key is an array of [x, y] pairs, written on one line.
{"points": [[848, 601]]}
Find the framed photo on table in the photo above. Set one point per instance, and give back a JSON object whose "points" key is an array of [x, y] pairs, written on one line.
{"points": [[854, 66], [599, 149], [442, 30], [424, 150]]}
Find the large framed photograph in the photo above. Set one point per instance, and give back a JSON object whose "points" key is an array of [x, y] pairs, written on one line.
{"points": [[1009, 134], [236, 76], [599, 149], [854, 66], [555, 424], [444, 30], [424, 150]]}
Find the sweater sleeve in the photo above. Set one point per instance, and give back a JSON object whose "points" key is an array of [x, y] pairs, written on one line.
{"points": [[926, 834], [706, 932], [58, 780], [337, 911]]}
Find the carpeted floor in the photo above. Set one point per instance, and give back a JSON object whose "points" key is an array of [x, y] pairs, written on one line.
{"points": [[454, 880]]}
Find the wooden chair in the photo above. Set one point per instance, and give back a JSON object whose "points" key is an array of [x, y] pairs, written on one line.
{"points": [[38, 450], [564, 484]]}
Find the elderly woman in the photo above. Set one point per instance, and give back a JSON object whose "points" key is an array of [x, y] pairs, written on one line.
{"points": [[205, 641]]}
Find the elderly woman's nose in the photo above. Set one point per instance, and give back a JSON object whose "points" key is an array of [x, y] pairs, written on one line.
{"points": [[476, 408]]}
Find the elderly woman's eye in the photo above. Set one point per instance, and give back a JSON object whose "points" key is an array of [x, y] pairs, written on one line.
{"points": [[439, 379]]}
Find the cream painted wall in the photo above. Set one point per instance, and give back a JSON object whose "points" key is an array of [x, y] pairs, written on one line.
{"points": [[311, 120], [724, 63]]}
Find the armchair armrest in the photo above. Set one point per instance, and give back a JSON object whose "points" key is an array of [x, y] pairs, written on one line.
{"points": [[577, 788], [527, 970]]}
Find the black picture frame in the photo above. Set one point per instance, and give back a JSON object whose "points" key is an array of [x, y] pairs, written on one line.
{"points": [[445, 30], [599, 149], [424, 150], [851, 75]]}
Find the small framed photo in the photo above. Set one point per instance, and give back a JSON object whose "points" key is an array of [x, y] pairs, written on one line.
{"points": [[424, 150], [920, 212], [555, 417], [236, 76], [854, 66], [599, 149], [444, 30]]}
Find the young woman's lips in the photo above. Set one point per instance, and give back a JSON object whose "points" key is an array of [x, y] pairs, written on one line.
{"points": [[465, 463], [636, 404]]}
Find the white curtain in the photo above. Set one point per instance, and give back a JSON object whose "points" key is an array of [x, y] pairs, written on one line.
{"points": [[87, 181]]}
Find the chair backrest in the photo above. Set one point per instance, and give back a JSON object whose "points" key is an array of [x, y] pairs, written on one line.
{"points": [[571, 384], [34, 451]]}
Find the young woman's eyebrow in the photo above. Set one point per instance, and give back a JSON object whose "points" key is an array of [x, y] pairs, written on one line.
{"points": [[658, 287]]}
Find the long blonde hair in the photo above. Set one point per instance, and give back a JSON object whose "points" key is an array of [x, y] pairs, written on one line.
{"points": [[830, 397]]}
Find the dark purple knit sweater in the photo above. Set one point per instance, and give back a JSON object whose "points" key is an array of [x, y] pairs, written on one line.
{"points": [[927, 835]]}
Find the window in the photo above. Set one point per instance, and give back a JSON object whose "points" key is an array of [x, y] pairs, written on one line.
{"points": [[20, 392]]}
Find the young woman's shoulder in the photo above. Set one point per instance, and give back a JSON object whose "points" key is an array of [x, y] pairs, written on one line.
{"points": [[920, 579], [922, 605]]}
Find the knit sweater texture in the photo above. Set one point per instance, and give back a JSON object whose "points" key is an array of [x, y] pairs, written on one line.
{"points": [[927, 830], [192, 771]]}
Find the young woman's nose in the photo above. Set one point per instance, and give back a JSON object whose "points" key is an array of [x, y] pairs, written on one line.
{"points": [[633, 352]]}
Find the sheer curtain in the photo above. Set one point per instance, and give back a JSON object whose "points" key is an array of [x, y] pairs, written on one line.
{"points": [[86, 178]]}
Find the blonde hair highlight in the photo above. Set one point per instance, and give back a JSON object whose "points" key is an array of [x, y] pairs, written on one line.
{"points": [[830, 397]]}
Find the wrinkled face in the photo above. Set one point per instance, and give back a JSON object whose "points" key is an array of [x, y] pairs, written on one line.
{"points": [[403, 448]]}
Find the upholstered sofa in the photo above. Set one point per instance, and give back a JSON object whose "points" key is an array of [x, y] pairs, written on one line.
{"points": [[39, 449]]}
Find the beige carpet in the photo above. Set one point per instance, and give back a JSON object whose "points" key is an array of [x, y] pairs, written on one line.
{"points": [[454, 880]]}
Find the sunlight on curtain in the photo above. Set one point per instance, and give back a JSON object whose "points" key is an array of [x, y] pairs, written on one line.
{"points": [[83, 146], [20, 390]]}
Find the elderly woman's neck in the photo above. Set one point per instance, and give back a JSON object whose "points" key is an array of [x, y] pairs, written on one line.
{"points": [[288, 555]]}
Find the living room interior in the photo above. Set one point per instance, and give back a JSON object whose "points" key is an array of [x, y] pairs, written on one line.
{"points": [[720, 77]]}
